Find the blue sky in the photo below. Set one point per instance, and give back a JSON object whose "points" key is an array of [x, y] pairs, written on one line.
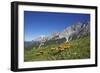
{"points": [[44, 23]]}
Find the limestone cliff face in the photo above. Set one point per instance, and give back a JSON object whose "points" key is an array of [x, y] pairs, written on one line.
{"points": [[76, 31]]}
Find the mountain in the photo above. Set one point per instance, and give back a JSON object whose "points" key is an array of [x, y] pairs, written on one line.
{"points": [[75, 31], [72, 32], [30, 44]]}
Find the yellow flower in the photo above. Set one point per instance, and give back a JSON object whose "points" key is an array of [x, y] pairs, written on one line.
{"points": [[60, 48], [52, 48], [40, 53]]}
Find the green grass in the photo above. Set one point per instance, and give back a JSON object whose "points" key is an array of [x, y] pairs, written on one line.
{"points": [[80, 49]]}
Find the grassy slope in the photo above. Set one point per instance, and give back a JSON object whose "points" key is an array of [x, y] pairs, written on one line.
{"points": [[80, 49]]}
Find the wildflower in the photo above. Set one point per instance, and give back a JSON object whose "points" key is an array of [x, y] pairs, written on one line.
{"points": [[52, 48], [37, 54], [40, 53], [60, 48]]}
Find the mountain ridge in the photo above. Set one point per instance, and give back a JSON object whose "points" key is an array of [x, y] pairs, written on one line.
{"points": [[69, 33]]}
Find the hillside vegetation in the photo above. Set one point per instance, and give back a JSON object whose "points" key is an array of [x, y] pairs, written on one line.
{"points": [[75, 49]]}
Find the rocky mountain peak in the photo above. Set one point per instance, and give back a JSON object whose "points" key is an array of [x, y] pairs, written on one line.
{"points": [[75, 31]]}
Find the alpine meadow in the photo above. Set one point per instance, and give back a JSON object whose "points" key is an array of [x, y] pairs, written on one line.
{"points": [[52, 36]]}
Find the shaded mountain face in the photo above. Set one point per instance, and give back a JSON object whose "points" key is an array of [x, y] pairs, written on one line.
{"points": [[29, 45], [75, 31]]}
